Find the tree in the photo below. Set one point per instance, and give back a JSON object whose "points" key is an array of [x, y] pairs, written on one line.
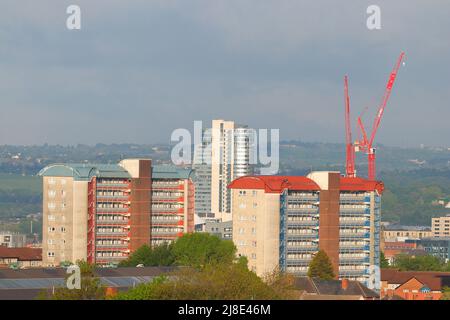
{"points": [[321, 267], [218, 281], [445, 293], [161, 255], [91, 288], [384, 263], [405, 262], [200, 249]]}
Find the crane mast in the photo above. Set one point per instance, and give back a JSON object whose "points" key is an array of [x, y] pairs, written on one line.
{"points": [[350, 150], [365, 144], [368, 144]]}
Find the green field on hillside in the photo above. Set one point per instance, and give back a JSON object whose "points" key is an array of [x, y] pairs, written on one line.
{"points": [[19, 195]]}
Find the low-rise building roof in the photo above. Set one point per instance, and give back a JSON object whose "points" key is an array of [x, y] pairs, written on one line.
{"points": [[432, 279], [21, 254], [170, 172], [334, 287]]}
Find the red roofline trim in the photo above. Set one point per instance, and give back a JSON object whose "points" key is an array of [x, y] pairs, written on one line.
{"points": [[276, 184]]}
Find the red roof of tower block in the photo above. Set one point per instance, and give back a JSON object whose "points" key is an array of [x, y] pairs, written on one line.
{"points": [[276, 184]]}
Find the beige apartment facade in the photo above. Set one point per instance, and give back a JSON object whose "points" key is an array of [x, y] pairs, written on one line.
{"points": [[256, 228], [96, 213], [281, 222], [440, 227]]}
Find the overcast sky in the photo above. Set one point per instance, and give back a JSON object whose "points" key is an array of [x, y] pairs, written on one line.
{"points": [[137, 70]]}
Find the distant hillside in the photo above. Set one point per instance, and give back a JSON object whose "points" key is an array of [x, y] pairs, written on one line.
{"points": [[299, 157], [413, 177]]}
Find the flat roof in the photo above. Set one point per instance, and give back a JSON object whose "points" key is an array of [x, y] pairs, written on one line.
{"points": [[276, 184], [84, 171]]}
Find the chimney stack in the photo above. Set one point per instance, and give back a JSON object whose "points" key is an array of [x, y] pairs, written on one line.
{"points": [[344, 284]]}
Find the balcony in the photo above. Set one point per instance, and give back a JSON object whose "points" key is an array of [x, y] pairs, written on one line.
{"points": [[299, 249], [354, 235], [354, 260], [354, 247], [354, 198], [354, 223], [353, 273], [112, 185], [109, 246], [111, 234], [166, 209], [302, 223], [113, 198], [303, 196], [103, 209], [312, 210], [112, 222], [301, 236], [172, 196], [298, 261]]}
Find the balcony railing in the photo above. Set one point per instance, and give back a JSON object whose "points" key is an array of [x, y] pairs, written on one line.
{"points": [[301, 223], [103, 234], [356, 223], [106, 246], [296, 249], [112, 221], [103, 209], [354, 235]]}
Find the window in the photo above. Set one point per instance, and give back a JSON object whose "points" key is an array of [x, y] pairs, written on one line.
{"points": [[63, 229], [253, 230], [255, 204], [50, 241], [254, 193], [50, 254], [253, 255], [51, 229], [241, 230]]}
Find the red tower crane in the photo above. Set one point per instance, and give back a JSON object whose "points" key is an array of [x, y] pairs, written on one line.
{"points": [[350, 150], [366, 144]]}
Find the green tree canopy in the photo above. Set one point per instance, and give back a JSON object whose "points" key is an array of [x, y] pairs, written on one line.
{"points": [[212, 282], [161, 255], [383, 261], [406, 262], [321, 267], [200, 249]]}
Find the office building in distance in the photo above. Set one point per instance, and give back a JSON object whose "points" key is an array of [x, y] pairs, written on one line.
{"points": [[283, 221], [230, 159]]}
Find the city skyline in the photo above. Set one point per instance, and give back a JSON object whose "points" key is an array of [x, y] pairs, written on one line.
{"points": [[256, 63]]}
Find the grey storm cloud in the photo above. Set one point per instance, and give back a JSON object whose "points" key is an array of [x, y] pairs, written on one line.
{"points": [[137, 70]]}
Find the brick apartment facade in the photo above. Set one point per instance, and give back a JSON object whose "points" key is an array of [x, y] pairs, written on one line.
{"points": [[282, 221]]}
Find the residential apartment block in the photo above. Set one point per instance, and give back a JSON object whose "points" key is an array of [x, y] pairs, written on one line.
{"points": [[440, 226], [282, 221], [172, 203], [96, 213]]}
